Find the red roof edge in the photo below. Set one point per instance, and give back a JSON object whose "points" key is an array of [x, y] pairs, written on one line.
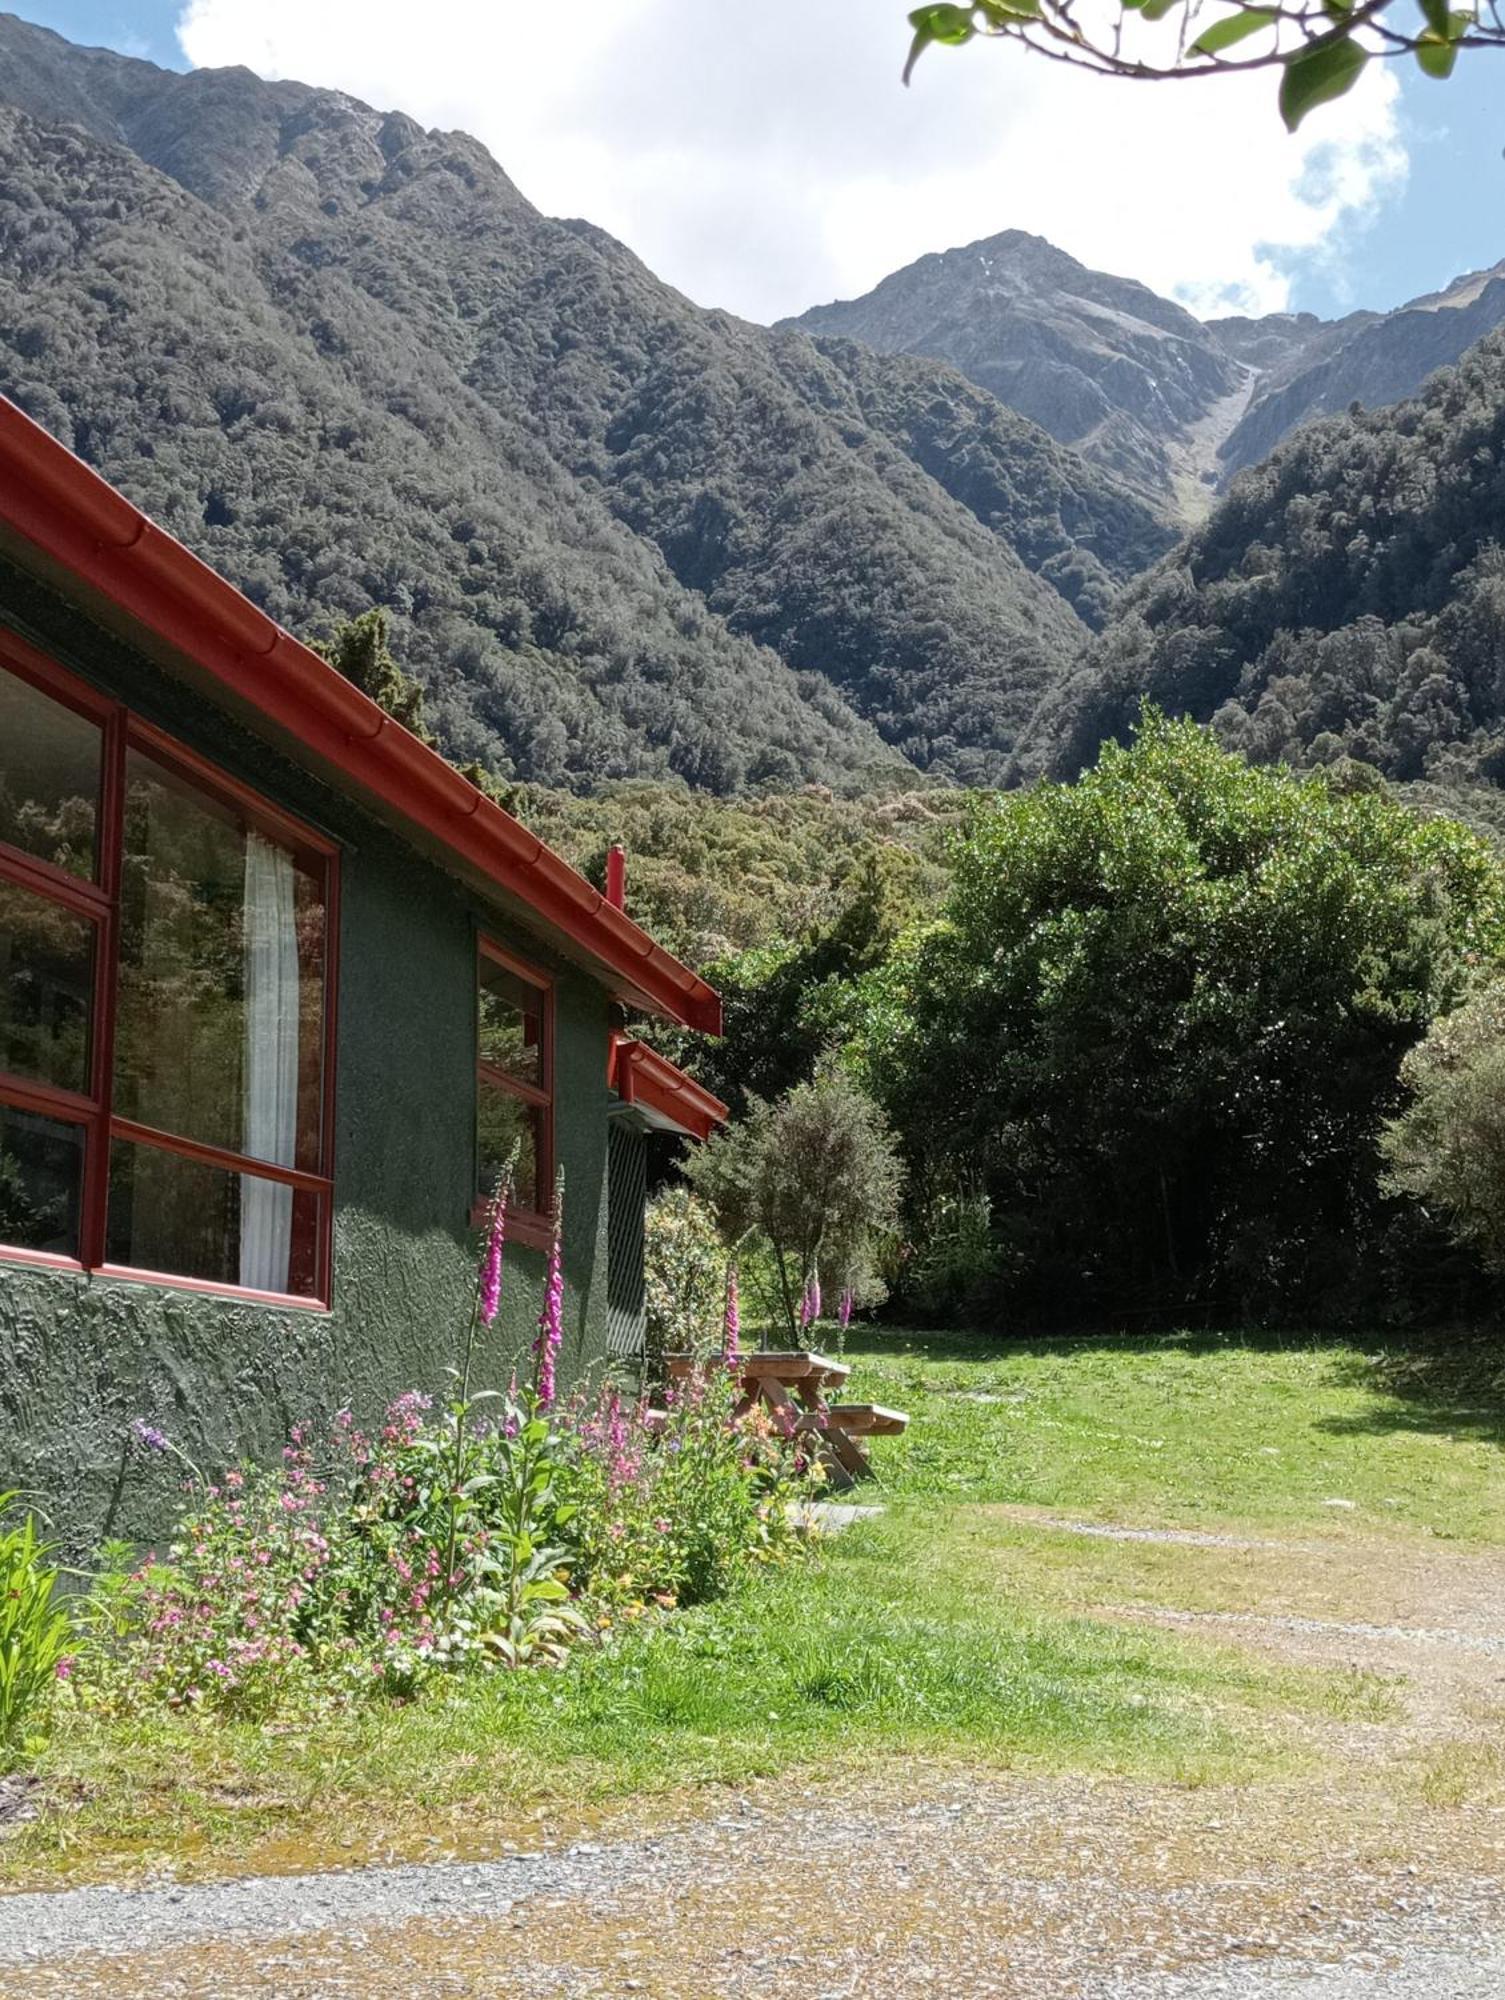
{"points": [[61, 506], [650, 1082]]}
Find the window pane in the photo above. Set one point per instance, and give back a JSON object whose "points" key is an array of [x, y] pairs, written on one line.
{"points": [[190, 1220], [511, 1023], [219, 1026], [46, 987], [49, 777], [41, 1167], [507, 1122]]}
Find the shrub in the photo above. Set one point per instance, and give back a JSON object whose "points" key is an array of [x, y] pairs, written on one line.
{"points": [[816, 1177], [1161, 1021], [685, 1505], [684, 1274], [35, 1633], [1447, 1147]]}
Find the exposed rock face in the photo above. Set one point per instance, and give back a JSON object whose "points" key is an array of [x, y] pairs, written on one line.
{"points": [[1169, 404]]}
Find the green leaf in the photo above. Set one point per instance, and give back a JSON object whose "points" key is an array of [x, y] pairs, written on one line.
{"points": [[948, 24], [1436, 56], [1237, 28], [1318, 75], [1435, 14], [1156, 10], [1000, 13]]}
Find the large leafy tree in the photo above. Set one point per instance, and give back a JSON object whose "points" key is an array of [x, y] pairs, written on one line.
{"points": [[1319, 47], [1162, 1020]]}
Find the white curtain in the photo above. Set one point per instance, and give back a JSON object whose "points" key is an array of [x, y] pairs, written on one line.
{"points": [[271, 1062]]}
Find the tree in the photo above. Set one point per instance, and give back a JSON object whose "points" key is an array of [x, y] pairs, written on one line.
{"points": [[816, 1177], [1320, 47], [1447, 1147], [1162, 1019]]}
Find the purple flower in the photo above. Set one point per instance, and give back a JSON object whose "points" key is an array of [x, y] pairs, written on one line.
{"points": [[148, 1436], [810, 1303], [844, 1310], [551, 1319], [491, 1269]]}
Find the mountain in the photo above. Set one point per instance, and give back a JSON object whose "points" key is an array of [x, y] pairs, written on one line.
{"points": [[618, 536], [1169, 404], [1369, 358], [1102, 363], [1347, 600]]}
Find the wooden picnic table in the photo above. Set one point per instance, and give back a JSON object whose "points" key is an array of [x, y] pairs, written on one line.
{"points": [[794, 1386]]}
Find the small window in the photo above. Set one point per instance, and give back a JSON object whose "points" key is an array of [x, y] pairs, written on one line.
{"points": [[515, 1086]]}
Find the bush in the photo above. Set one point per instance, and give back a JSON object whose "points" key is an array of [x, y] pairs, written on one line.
{"points": [[1447, 1147], [35, 1633], [1161, 1021], [442, 1542], [816, 1178], [684, 1278]]}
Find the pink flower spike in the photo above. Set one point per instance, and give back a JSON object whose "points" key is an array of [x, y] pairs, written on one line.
{"points": [[844, 1310], [491, 1269], [551, 1319]]}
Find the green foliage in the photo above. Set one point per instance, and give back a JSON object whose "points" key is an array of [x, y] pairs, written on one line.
{"points": [[1347, 600], [1162, 1019], [688, 1511], [1447, 1146], [35, 1632], [1320, 56], [684, 1273], [361, 649], [816, 1178]]}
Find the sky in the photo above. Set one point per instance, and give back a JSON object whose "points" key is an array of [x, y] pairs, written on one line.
{"points": [[762, 156]]}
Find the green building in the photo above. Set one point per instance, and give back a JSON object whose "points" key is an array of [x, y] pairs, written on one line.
{"points": [[279, 990]]}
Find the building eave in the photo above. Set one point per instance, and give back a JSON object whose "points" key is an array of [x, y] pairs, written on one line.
{"points": [[660, 1092], [61, 518]]}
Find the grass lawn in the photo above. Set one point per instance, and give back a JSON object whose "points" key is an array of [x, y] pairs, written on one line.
{"points": [[949, 1628]]}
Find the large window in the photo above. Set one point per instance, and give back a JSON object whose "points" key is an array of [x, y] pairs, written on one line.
{"points": [[515, 1086], [164, 1005]]}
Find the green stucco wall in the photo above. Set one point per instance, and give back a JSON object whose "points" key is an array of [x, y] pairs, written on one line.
{"points": [[80, 1357]]}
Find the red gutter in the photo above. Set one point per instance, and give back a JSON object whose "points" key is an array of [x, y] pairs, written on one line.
{"points": [[78, 520], [641, 1076]]}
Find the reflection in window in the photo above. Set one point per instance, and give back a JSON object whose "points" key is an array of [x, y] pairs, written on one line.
{"points": [[49, 778], [219, 1027], [514, 1108], [41, 1168], [194, 1220], [511, 1019], [46, 989], [507, 1125]]}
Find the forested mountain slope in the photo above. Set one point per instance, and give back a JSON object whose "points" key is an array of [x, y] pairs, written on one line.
{"points": [[1135, 383], [1346, 599], [618, 536]]}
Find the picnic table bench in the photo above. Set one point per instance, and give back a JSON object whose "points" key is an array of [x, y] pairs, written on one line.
{"points": [[795, 1386]]}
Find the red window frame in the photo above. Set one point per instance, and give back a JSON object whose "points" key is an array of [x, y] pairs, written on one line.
{"points": [[530, 1226], [99, 900]]}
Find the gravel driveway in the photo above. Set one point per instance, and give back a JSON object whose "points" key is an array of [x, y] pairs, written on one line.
{"points": [[927, 1879]]}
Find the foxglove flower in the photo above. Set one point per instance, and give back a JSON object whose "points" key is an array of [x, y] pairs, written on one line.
{"points": [[810, 1304], [551, 1319], [844, 1310], [491, 1269]]}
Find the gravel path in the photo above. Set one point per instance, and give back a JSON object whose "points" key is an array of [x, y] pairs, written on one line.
{"points": [[927, 1879], [1023, 1889]]}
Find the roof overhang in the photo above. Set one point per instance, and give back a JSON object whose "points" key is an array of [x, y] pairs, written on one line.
{"points": [[662, 1095], [61, 520]]}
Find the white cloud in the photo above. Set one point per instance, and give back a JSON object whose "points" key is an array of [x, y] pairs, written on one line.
{"points": [[763, 156]]}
